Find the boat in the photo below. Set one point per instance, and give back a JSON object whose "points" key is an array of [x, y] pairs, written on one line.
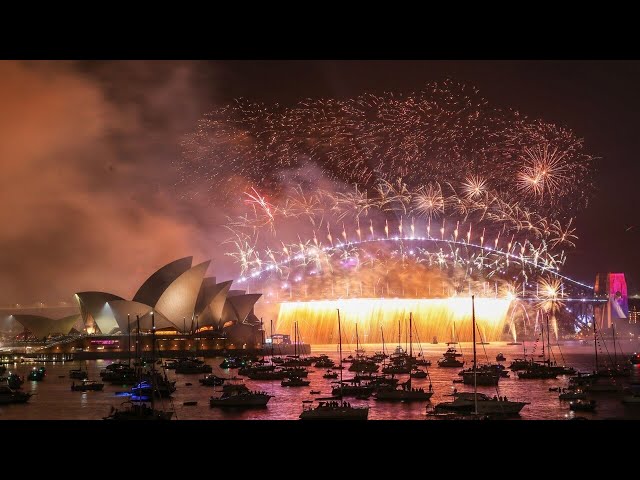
{"points": [[189, 367], [520, 364], [480, 376], [361, 363], [9, 395], [335, 409], [405, 394], [190, 403], [479, 403], [314, 392], [295, 382], [13, 380], [234, 384], [417, 373], [634, 358], [78, 374], [37, 374], [501, 358], [211, 380], [330, 375], [137, 409], [448, 362], [573, 395], [450, 357], [536, 373], [269, 375], [631, 399], [582, 405], [87, 385], [238, 399]]}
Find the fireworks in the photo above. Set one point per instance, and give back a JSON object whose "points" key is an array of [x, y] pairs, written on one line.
{"points": [[434, 193], [444, 133]]}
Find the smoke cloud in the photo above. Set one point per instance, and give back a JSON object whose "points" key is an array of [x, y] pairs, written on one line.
{"points": [[87, 189]]}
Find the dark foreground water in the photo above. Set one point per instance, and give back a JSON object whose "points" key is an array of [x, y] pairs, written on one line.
{"points": [[54, 400]]}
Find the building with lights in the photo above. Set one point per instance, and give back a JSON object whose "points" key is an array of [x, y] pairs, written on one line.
{"points": [[182, 300]]}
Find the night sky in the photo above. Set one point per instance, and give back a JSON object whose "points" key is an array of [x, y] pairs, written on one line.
{"points": [[87, 152]]}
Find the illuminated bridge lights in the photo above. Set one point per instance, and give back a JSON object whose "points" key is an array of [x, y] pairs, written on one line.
{"points": [[426, 239]]}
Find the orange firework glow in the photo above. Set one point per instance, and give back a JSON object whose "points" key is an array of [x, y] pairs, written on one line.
{"points": [[317, 320]]}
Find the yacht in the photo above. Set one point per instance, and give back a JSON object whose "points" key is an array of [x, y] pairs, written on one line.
{"points": [[13, 380], [583, 405], [212, 380], [188, 367], [37, 374], [334, 410], [479, 403], [450, 362], [137, 411], [9, 395], [237, 399], [295, 382], [405, 394], [78, 374], [573, 395], [450, 359], [87, 385], [468, 401]]}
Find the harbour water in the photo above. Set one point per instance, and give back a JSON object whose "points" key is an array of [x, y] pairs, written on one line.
{"points": [[53, 399]]}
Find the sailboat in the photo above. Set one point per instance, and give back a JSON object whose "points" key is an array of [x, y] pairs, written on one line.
{"points": [[362, 363], [139, 410], [266, 372], [335, 409], [78, 373], [540, 370], [479, 403], [450, 357], [477, 375], [406, 393]]}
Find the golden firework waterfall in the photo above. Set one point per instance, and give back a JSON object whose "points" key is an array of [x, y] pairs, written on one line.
{"points": [[431, 317]]}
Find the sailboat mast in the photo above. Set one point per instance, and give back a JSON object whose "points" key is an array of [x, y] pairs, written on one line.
{"points": [[595, 342], [129, 338], [137, 337], [272, 340], [410, 337], [382, 332], [153, 357], [544, 357], [399, 338], [615, 354], [138, 368], [548, 341], [357, 341], [475, 378], [340, 340]]}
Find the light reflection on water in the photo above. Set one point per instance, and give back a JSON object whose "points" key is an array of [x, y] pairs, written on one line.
{"points": [[54, 400]]}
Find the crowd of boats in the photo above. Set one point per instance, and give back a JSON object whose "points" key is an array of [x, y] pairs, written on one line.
{"points": [[382, 376]]}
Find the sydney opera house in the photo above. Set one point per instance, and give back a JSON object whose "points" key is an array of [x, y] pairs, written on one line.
{"points": [[183, 302]]}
